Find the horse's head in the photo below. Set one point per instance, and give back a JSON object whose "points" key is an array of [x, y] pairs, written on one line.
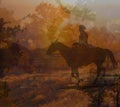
{"points": [[52, 48]]}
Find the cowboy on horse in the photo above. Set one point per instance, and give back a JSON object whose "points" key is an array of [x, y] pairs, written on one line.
{"points": [[82, 55]]}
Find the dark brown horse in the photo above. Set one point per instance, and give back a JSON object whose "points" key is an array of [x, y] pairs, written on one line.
{"points": [[79, 56], [9, 57]]}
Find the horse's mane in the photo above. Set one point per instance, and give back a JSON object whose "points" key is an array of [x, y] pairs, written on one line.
{"points": [[62, 45]]}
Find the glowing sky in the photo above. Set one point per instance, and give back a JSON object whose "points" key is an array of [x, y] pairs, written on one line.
{"points": [[103, 8]]}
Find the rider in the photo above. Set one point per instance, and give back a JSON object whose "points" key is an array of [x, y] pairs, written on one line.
{"points": [[83, 37]]}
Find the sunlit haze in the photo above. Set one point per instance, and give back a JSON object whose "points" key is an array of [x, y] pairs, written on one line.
{"points": [[51, 19], [103, 8]]}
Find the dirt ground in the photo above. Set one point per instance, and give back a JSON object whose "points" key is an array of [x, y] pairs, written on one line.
{"points": [[53, 89]]}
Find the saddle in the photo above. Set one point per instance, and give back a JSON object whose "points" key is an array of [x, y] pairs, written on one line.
{"points": [[78, 45]]}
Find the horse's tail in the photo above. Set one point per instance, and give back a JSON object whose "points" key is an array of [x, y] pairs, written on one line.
{"points": [[111, 56]]}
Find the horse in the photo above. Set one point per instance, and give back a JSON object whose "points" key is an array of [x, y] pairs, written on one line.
{"points": [[9, 56], [79, 56]]}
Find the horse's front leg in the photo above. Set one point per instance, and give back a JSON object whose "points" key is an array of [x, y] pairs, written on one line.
{"points": [[75, 74]]}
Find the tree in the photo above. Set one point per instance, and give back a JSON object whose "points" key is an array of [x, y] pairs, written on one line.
{"points": [[80, 13], [44, 24]]}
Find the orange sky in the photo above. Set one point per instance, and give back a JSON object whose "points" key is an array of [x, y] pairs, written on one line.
{"points": [[20, 7], [107, 8]]}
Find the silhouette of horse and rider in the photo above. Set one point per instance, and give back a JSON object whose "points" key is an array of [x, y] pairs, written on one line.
{"points": [[82, 54]]}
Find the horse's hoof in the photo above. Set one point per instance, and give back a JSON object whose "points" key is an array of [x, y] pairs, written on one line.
{"points": [[81, 80], [72, 75]]}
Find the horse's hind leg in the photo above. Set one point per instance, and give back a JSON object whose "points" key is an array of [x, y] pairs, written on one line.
{"points": [[99, 68], [77, 77]]}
